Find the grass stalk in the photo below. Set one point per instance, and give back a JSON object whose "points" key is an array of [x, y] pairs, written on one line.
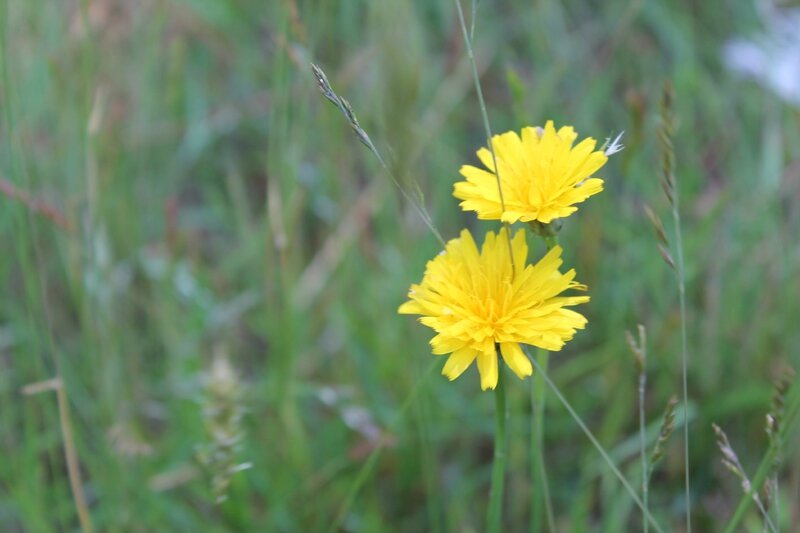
{"points": [[70, 451], [472, 19], [639, 351], [71, 456], [670, 185], [494, 516], [676, 218], [486, 126], [347, 110], [643, 446]]}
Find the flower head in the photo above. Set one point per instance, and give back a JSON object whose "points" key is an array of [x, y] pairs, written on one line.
{"points": [[541, 173], [475, 300]]}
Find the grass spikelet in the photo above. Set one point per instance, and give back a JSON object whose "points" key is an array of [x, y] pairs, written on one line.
{"points": [[665, 133], [731, 462], [774, 424], [667, 426], [638, 349], [661, 236], [778, 408], [347, 110], [222, 413]]}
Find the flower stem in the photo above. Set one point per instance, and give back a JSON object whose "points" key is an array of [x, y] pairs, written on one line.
{"points": [[538, 472], [495, 514]]}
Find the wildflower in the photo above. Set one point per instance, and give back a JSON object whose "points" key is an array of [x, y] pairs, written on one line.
{"points": [[476, 302], [542, 175]]}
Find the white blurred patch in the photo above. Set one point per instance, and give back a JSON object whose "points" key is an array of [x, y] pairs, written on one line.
{"points": [[772, 58]]}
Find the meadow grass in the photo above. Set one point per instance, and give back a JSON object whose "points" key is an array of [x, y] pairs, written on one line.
{"points": [[213, 202]]}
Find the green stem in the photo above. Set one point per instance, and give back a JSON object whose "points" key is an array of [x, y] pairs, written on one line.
{"points": [[643, 446], [495, 514], [676, 218], [538, 472]]}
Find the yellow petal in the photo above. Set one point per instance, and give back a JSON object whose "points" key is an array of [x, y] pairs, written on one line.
{"points": [[516, 360], [458, 362], [410, 308], [442, 344], [487, 367]]}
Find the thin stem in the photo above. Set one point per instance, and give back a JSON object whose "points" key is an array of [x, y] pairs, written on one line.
{"points": [[71, 456], [472, 20], [676, 218], [597, 446], [538, 471], [347, 110], [495, 514], [487, 128], [643, 445]]}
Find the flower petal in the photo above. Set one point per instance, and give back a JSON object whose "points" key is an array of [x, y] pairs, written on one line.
{"points": [[410, 308], [458, 362], [516, 360], [487, 367]]}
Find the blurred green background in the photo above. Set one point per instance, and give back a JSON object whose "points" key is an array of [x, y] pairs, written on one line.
{"points": [[176, 190]]}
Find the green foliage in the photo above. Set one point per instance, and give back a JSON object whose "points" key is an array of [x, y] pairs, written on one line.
{"points": [[213, 201]]}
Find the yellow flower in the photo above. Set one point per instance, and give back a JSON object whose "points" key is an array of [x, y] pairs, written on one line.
{"points": [[474, 301], [542, 175]]}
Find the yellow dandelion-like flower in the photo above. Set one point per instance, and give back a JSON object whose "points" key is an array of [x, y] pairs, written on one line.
{"points": [[476, 301], [541, 173]]}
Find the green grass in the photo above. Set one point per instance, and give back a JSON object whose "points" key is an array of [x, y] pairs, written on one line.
{"points": [[213, 176]]}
